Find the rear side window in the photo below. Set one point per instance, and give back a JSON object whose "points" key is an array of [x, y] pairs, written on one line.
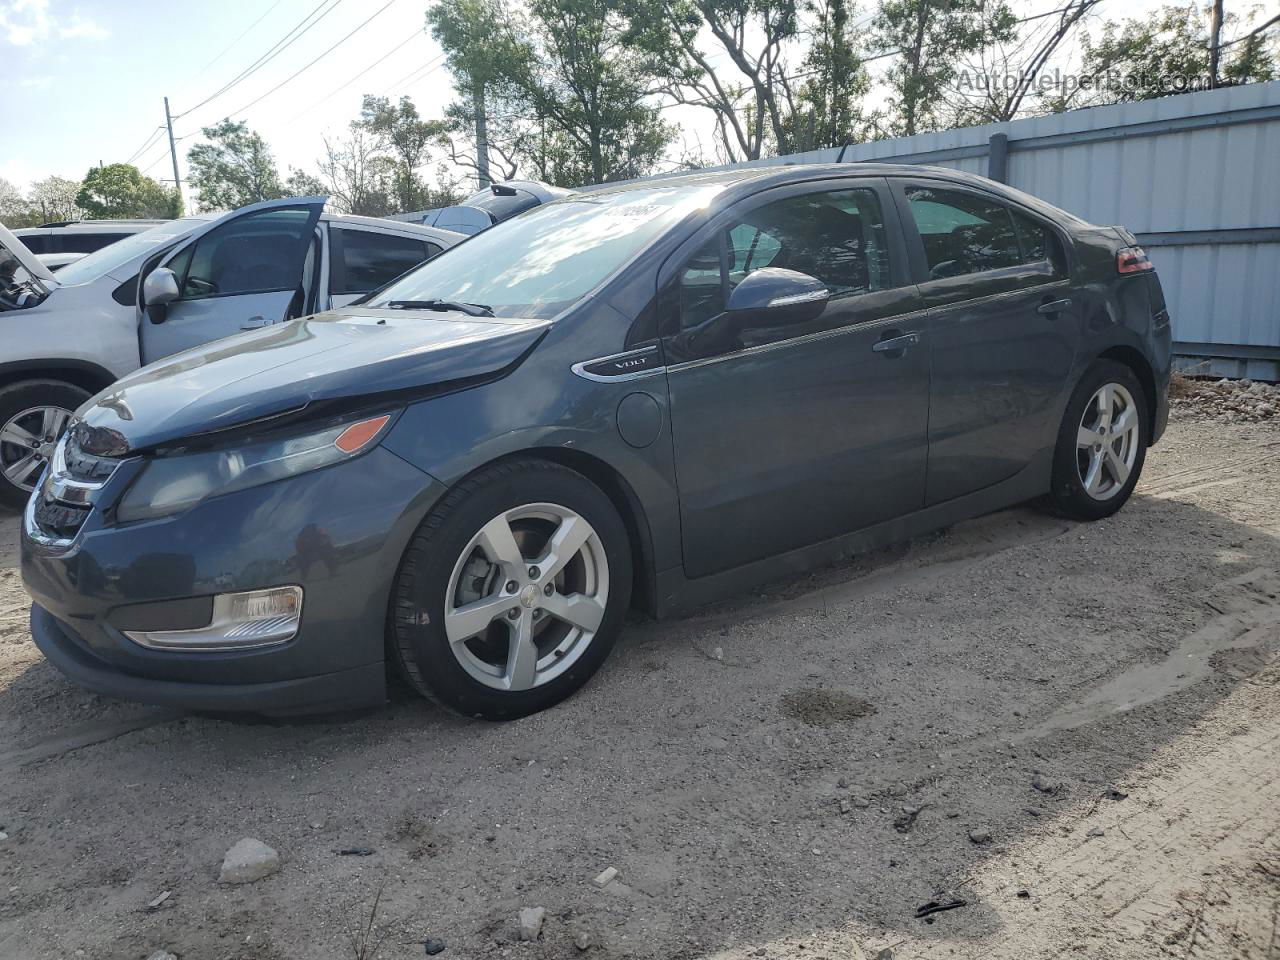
{"points": [[365, 261], [836, 236], [963, 233], [36, 242], [87, 242]]}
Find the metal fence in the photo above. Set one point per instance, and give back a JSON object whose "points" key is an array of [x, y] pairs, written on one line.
{"points": [[1195, 176]]}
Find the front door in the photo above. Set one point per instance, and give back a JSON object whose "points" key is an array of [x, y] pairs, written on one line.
{"points": [[787, 436], [1003, 329], [240, 272]]}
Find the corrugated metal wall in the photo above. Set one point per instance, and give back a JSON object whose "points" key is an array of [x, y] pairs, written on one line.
{"points": [[1196, 177]]}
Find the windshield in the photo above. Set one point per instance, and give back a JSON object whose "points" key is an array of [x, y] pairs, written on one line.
{"points": [[540, 262], [117, 254]]}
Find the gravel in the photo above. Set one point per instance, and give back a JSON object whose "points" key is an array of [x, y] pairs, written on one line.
{"points": [[1136, 654]]}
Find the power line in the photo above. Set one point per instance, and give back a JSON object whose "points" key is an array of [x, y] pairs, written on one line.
{"points": [[276, 49], [416, 74], [146, 144], [381, 59], [223, 53], [312, 63]]}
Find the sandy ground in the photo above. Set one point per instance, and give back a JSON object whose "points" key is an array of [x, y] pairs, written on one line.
{"points": [[1073, 729]]}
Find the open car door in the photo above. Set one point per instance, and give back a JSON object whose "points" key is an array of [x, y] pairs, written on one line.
{"points": [[24, 280], [239, 272]]}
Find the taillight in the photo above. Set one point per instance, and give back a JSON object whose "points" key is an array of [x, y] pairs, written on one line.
{"points": [[1132, 260]]}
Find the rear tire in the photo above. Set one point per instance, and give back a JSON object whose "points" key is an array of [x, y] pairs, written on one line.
{"points": [[32, 414], [1102, 443], [512, 592]]}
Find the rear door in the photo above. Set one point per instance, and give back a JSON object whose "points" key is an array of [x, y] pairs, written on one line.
{"points": [[361, 260], [1003, 328], [787, 436], [239, 272]]}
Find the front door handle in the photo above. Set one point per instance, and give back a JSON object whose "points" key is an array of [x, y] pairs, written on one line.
{"points": [[1053, 306], [254, 323], [895, 345]]}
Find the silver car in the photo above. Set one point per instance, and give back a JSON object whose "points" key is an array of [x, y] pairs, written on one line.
{"points": [[65, 337]]}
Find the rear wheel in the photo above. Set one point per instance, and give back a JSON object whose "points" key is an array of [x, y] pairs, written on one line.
{"points": [[1102, 443], [33, 414], [512, 592]]}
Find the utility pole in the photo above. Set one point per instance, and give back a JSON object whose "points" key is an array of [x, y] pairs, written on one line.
{"points": [[1215, 42], [173, 149], [482, 136]]}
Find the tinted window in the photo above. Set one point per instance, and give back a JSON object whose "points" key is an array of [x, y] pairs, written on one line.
{"points": [[255, 253], [368, 260], [36, 242], [837, 236], [963, 233], [87, 242], [1038, 241]]}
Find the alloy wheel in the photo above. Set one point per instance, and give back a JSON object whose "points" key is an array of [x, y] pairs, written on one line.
{"points": [[26, 442], [1107, 441], [526, 597]]}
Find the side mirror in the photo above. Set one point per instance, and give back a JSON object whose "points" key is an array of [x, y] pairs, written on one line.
{"points": [[158, 289], [773, 297]]}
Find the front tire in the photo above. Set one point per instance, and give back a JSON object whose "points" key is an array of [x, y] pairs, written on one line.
{"points": [[32, 415], [512, 592], [1102, 443]]}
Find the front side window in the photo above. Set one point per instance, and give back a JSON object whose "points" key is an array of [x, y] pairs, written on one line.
{"points": [[837, 236], [254, 253], [963, 233], [368, 260]]}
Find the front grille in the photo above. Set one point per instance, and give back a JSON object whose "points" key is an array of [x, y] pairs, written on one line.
{"points": [[59, 519], [85, 466]]}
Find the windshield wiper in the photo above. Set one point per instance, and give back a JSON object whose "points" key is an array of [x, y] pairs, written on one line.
{"points": [[470, 309]]}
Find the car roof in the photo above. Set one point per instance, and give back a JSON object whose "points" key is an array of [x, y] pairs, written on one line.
{"points": [[752, 179], [91, 226], [399, 226]]}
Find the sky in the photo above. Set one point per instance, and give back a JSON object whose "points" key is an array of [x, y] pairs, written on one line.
{"points": [[83, 81]]}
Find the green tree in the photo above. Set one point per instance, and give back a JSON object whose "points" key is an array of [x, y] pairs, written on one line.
{"points": [[55, 199], [233, 168], [1166, 53], [400, 130], [828, 107], [590, 81], [749, 91], [15, 209], [119, 190], [927, 38], [482, 52]]}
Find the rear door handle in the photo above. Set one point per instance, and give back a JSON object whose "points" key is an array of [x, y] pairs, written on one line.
{"points": [[1053, 306], [896, 344]]}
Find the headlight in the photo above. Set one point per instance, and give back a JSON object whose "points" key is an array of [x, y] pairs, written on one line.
{"points": [[172, 484]]}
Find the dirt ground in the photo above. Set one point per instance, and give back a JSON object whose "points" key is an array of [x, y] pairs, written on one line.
{"points": [[1072, 729]]}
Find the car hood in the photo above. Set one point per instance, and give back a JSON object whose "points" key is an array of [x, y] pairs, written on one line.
{"points": [[344, 355]]}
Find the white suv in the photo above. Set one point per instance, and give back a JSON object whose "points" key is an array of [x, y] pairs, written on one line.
{"points": [[63, 338]]}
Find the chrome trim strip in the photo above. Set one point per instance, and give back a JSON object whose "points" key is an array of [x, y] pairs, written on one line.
{"points": [[580, 368], [224, 632]]}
